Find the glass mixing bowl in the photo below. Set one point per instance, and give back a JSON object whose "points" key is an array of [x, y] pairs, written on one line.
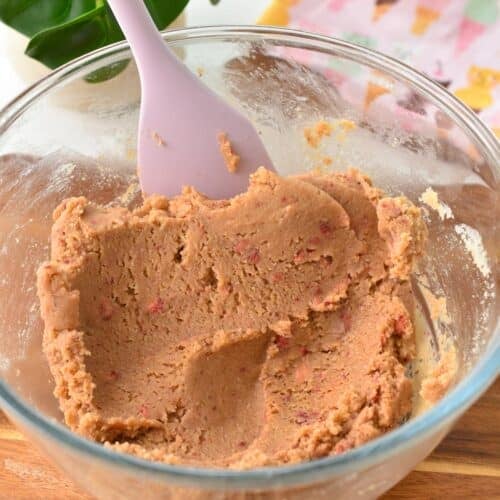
{"points": [[66, 137]]}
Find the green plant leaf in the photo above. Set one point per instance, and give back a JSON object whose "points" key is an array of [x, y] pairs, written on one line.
{"points": [[56, 46], [63, 30], [31, 16], [107, 72], [164, 12]]}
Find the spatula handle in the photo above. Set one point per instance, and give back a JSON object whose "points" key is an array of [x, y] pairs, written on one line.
{"points": [[146, 43]]}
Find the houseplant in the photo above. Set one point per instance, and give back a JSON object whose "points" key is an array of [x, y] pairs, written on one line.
{"points": [[48, 33]]}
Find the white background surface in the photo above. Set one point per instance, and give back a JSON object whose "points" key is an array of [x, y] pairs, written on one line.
{"points": [[198, 12]]}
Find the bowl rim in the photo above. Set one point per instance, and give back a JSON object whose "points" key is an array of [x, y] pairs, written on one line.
{"points": [[441, 415]]}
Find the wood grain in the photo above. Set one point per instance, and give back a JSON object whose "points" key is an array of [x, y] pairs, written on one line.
{"points": [[465, 465]]}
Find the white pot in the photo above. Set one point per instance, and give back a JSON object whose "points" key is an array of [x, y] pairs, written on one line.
{"points": [[80, 93]]}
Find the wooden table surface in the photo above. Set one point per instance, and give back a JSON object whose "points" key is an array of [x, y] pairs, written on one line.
{"points": [[465, 465]]}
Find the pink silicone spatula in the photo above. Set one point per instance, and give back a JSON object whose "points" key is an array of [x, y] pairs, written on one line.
{"points": [[181, 119]]}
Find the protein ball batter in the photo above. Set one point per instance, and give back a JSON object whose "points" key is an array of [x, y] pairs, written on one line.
{"points": [[267, 329]]}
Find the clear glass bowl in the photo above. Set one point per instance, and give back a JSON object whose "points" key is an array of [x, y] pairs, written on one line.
{"points": [[411, 134]]}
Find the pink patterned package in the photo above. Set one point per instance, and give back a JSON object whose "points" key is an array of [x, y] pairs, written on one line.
{"points": [[455, 42]]}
